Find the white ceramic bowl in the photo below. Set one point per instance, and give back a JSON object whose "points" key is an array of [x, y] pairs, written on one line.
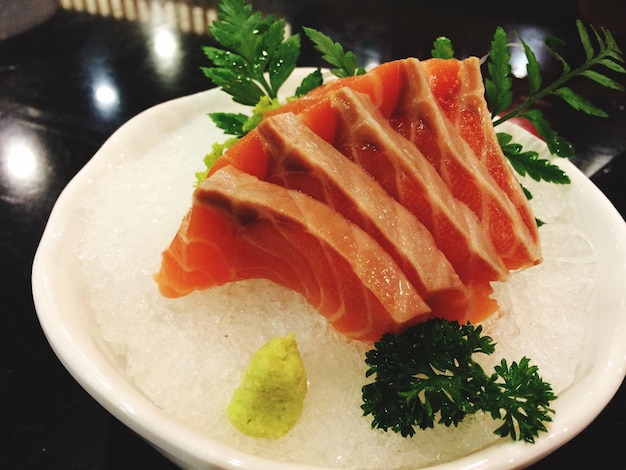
{"points": [[64, 312]]}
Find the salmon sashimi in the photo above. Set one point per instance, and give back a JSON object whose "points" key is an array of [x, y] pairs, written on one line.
{"points": [[459, 89], [407, 176], [419, 118], [240, 227], [401, 92], [300, 159], [382, 84], [280, 204]]}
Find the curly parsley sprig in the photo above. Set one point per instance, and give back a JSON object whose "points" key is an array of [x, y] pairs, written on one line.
{"points": [[428, 375]]}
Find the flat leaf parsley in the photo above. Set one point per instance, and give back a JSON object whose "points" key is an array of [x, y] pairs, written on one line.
{"points": [[253, 61], [344, 63]]}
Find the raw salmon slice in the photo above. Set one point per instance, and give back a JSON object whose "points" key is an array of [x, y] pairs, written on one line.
{"points": [[299, 159], [419, 118], [365, 137], [240, 227], [400, 93], [459, 89], [382, 84]]}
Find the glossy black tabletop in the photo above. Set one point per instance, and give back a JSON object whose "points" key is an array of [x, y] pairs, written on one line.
{"points": [[69, 82]]}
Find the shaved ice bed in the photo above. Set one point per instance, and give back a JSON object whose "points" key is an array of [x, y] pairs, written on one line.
{"points": [[187, 355]]}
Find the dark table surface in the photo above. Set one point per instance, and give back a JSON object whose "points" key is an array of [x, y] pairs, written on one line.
{"points": [[71, 81]]}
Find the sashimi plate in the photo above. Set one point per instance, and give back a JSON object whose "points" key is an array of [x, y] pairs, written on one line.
{"points": [[154, 157]]}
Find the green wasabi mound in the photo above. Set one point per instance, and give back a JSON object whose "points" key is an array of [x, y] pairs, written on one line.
{"points": [[268, 401]]}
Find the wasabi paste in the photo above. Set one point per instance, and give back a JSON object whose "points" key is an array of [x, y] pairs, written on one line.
{"points": [[268, 401]]}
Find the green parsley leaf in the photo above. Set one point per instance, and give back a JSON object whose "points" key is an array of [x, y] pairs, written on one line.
{"points": [[578, 102], [442, 48], [529, 163], [532, 68], [604, 53], [310, 82], [243, 89], [428, 375], [230, 123], [344, 63], [499, 83], [283, 63], [523, 400], [556, 144], [253, 49]]}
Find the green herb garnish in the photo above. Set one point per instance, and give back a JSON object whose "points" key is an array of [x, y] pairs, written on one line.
{"points": [[253, 62], [442, 48], [217, 150], [428, 375], [343, 63], [529, 163], [499, 83], [256, 59], [605, 53], [253, 46]]}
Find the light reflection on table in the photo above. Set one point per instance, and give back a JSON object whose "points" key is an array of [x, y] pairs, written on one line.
{"points": [[25, 169]]}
